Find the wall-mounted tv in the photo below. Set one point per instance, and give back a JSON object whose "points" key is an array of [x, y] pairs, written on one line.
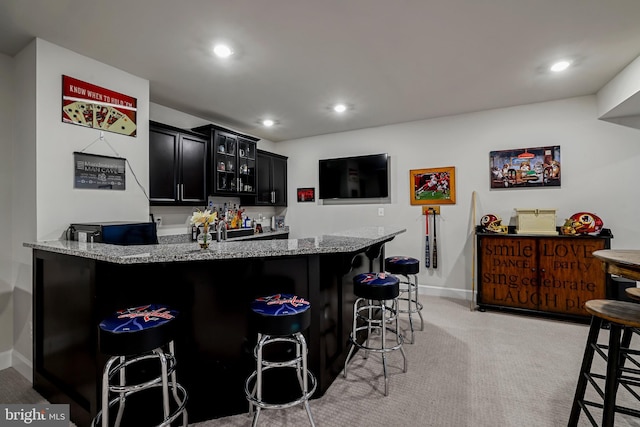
{"points": [[360, 177]]}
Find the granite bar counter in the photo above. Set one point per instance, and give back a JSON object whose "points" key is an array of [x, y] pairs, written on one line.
{"points": [[77, 284]]}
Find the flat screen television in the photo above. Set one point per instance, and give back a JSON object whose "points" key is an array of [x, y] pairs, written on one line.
{"points": [[360, 177]]}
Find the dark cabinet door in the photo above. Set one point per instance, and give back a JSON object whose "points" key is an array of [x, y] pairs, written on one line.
{"points": [[163, 162], [263, 197], [177, 167], [193, 169], [279, 180], [272, 179], [233, 163]]}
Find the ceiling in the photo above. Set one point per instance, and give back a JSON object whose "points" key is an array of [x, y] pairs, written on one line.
{"points": [[389, 61]]}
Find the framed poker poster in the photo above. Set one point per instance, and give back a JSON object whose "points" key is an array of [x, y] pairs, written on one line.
{"points": [[95, 107]]}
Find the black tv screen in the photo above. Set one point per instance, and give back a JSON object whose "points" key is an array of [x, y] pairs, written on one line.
{"points": [[358, 177]]}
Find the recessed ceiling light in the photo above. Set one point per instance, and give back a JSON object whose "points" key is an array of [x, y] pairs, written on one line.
{"points": [[268, 123], [560, 66], [222, 51], [339, 108]]}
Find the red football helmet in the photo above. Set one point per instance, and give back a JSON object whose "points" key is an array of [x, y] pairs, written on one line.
{"points": [[585, 222], [493, 223]]}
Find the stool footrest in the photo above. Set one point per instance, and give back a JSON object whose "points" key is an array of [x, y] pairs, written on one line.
{"points": [[132, 388], [399, 337], [267, 405], [174, 415], [410, 310]]}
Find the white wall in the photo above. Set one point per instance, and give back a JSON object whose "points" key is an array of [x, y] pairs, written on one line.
{"points": [[58, 202], [23, 202], [620, 97], [44, 201], [6, 282], [598, 175]]}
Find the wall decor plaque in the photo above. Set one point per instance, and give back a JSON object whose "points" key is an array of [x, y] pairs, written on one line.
{"points": [[98, 172]]}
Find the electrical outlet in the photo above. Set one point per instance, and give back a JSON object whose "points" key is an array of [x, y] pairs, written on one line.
{"points": [[159, 221], [380, 211]]}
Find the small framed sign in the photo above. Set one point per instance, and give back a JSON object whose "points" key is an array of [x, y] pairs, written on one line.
{"points": [[98, 172], [307, 194]]}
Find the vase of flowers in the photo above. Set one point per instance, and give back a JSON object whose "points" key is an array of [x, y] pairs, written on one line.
{"points": [[204, 219]]}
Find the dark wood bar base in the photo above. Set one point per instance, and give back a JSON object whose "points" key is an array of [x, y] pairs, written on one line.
{"points": [[214, 351]]}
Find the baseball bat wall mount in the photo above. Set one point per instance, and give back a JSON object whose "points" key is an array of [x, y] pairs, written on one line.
{"points": [[431, 256]]}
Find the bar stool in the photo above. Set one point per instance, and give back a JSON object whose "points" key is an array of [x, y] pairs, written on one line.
{"points": [[408, 268], [280, 318], [131, 336], [373, 290], [620, 315], [633, 293]]}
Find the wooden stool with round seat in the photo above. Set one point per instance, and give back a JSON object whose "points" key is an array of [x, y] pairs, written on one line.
{"points": [[620, 315], [633, 293]]}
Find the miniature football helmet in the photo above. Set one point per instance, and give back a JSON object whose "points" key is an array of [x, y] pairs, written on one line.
{"points": [[582, 223], [493, 224]]}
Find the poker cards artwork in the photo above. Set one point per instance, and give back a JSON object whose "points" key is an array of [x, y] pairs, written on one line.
{"points": [[95, 107]]}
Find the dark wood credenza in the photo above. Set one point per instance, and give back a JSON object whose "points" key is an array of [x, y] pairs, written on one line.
{"points": [[546, 275]]}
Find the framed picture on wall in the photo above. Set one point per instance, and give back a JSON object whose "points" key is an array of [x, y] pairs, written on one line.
{"points": [[435, 186], [92, 106], [525, 167], [306, 194]]}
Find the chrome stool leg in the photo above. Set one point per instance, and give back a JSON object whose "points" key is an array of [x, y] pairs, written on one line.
{"points": [[413, 305], [384, 353], [417, 304], [254, 383], [352, 336], [305, 372], [387, 314]]}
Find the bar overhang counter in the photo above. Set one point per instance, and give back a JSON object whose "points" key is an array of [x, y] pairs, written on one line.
{"points": [[76, 284]]}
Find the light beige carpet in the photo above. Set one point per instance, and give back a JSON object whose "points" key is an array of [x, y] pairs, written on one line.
{"points": [[465, 369]]}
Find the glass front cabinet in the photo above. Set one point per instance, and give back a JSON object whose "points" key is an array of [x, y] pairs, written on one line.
{"points": [[233, 163]]}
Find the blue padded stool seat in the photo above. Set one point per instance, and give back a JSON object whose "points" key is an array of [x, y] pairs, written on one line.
{"points": [[376, 286], [280, 318], [137, 330], [130, 336], [281, 314], [401, 265]]}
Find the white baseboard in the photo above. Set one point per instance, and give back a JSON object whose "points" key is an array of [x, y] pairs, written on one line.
{"points": [[5, 359], [22, 365], [437, 291]]}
